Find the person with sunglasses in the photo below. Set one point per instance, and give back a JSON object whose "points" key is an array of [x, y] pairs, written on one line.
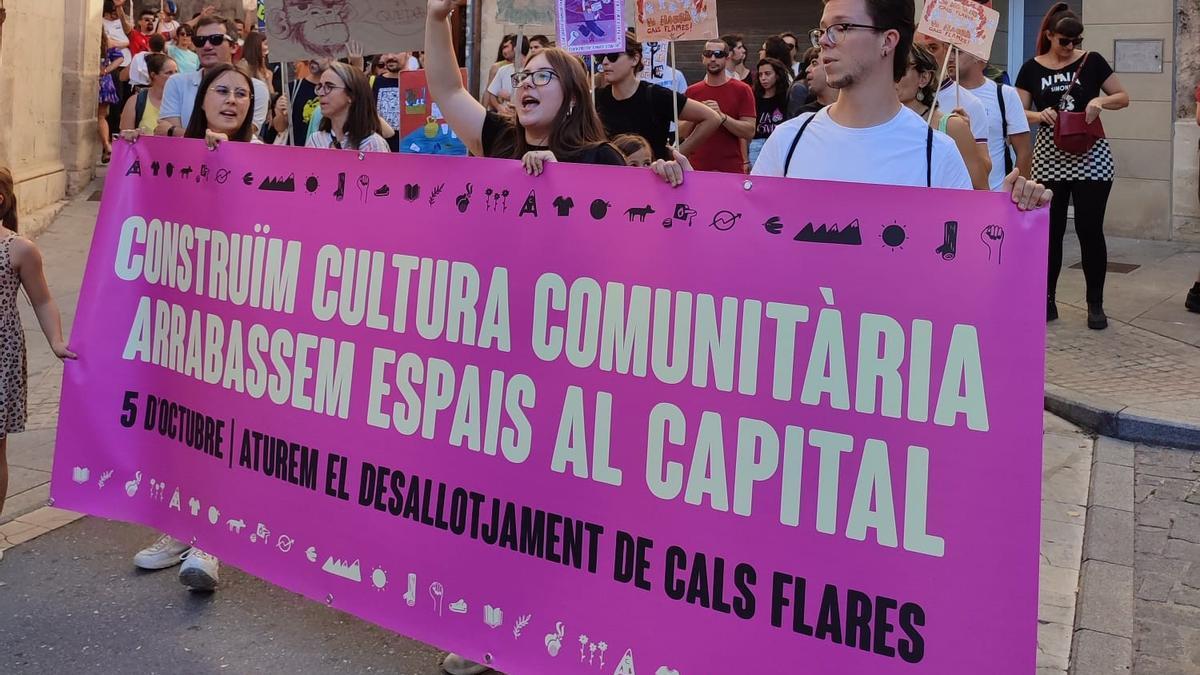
{"points": [[1062, 77], [348, 116], [629, 105], [868, 136], [733, 102], [183, 51], [179, 97]]}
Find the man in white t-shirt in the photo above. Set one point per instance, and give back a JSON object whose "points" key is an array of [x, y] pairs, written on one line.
{"points": [[867, 136], [1007, 124]]}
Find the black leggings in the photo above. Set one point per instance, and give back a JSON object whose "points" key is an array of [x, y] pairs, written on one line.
{"points": [[1091, 200]]}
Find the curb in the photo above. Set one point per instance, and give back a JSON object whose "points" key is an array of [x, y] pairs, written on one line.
{"points": [[1125, 423], [1102, 641]]}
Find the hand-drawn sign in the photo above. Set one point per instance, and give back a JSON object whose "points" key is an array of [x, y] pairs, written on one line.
{"points": [[302, 29], [965, 24], [591, 26], [677, 20], [524, 12]]}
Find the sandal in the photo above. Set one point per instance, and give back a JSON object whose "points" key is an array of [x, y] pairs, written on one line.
{"points": [[105, 156]]}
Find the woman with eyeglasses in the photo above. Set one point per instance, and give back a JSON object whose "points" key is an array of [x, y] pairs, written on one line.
{"points": [[183, 51], [348, 117], [554, 121], [630, 105], [1064, 78]]}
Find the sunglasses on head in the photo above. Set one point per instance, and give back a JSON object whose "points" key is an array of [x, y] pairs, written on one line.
{"points": [[1067, 42], [612, 58], [216, 39], [715, 53]]}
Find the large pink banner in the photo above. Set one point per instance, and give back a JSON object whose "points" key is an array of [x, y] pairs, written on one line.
{"points": [[578, 423]]}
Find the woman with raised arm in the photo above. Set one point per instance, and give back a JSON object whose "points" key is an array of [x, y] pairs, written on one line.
{"points": [[554, 121]]}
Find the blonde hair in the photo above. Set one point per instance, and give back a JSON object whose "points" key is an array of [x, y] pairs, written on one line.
{"points": [[8, 207]]}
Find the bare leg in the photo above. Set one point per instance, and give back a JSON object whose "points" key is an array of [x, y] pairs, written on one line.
{"points": [[102, 124]]}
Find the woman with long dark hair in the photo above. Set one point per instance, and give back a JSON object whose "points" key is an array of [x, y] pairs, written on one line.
{"points": [[254, 60], [348, 116], [772, 83], [1064, 78], [554, 121], [223, 112], [223, 106]]}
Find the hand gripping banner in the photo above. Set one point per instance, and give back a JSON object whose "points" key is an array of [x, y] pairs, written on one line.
{"points": [[577, 423]]}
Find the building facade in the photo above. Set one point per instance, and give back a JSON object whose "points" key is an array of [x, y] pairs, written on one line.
{"points": [[49, 70]]}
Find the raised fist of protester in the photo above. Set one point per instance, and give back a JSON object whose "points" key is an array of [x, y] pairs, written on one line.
{"points": [[1027, 194], [440, 9], [208, 10], [214, 138], [535, 161], [1049, 117]]}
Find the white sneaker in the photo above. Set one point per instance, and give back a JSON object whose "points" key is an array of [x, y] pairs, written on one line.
{"points": [[457, 665], [163, 553], [199, 571]]}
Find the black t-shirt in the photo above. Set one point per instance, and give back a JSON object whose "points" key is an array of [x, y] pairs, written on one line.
{"points": [[499, 140], [387, 101], [1048, 88], [648, 113], [771, 113], [303, 104]]}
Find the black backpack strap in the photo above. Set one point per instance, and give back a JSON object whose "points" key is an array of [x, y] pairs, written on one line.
{"points": [[929, 158], [787, 163], [140, 107], [1008, 162]]}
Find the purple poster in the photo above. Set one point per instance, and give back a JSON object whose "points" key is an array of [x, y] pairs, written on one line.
{"points": [[580, 423], [591, 26]]}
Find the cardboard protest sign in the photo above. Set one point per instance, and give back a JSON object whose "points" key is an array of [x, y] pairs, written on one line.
{"points": [[965, 24], [677, 20], [302, 29], [581, 422], [591, 26], [525, 12]]}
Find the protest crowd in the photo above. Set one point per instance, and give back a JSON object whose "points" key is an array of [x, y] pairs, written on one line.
{"points": [[855, 99]]}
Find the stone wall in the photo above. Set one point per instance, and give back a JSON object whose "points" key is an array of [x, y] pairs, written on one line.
{"points": [[1186, 173], [49, 67]]}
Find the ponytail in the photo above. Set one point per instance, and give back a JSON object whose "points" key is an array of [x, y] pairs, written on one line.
{"points": [[1050, 24]]}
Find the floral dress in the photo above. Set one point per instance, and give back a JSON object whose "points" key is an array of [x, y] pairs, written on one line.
{"points": [[108, 88]]}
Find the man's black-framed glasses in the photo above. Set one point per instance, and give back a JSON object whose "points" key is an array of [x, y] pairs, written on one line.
{"points": [[539, 78], [836, 32]]}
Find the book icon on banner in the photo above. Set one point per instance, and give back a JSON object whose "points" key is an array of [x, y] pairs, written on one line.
{"points": [[81, 474], [339, 568], [848, 236], [493, 616], [278, 184]]}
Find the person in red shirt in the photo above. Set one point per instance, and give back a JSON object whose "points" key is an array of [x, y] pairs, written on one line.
{"points": [[734, 102], [139, 33]]}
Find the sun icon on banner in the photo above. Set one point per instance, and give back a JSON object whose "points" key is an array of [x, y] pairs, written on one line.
{"points": [[379, 578], [894, 236]]}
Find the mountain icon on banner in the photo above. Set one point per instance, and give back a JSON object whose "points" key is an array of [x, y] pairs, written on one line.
{"points": [[848, 236], [340, 568], [278, 184]]}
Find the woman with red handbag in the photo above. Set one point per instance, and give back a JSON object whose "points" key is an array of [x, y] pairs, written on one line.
{"points": [[1064, 89]]}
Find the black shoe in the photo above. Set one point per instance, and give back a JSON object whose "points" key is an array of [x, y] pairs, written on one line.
{"points": [[1096, 318], [1193, 298], [1051, 310]]}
